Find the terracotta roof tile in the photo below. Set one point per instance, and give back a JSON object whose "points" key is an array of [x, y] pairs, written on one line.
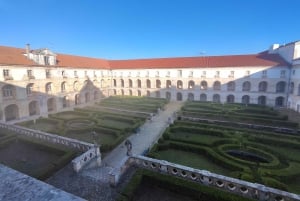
{"points": [[14, 56]]}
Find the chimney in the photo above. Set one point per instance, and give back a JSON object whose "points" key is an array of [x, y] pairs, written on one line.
{"points": [[27, 50]]}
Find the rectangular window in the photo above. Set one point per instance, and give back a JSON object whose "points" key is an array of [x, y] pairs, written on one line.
{"points": [[85, 73], [95, 75], [203, 74], [191, 74], [129, 74], [231, 75], [282, 73], [5, 73], [179, 73], [264, 73], [75, 74], [48, 74], [147, 73], [29, 73], [168, 74], [247, 73], [157, 74], [217, 75]]}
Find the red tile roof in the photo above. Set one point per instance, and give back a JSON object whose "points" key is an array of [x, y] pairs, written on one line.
{"points": [[14, 56]]}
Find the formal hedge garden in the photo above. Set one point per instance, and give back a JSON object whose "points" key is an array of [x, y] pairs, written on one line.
{"points": [[32, 157], [146, 186], [258, 156], [106, 123], [253, 114]]}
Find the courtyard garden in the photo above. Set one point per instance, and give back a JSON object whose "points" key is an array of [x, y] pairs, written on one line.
{"points": [[35, 158], [106, 123]]}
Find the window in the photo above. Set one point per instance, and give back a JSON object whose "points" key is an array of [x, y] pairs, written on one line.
{"points": [[179, 73], [95, 75], [85, 73], [30, 74], [75, 74], [129, 74], [147, 74], [231, 86], [168, 74], [63, 73], [157, 73], [63, 87], [48, 87], [231, 75], [247, 73], [8, 91], [282, 73], [48, 74], [203, 74], [46, 60], [5, 73], [264, 73], [294, 72], [217, 75], [191, 74], [29, 89], [138, 74]]}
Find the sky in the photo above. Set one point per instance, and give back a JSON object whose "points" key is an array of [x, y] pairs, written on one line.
{"points": [[129, 29]]}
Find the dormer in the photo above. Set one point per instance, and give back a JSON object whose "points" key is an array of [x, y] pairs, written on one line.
{"points": [[41, 56]]}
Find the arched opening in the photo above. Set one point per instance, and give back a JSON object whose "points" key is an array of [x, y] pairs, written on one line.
{"points": [[11, 112], [77, 99], [190, 97], [216, 98], [217, 86], [191, 84], [157, 94], [139, 83], [130, 82], [122, 92], [261, 100], [179, 96], [63, 87], [102, 83], [114, 92], [280, 87], [87, 97], [65, 102], [114, 82], [8, 91], [245, 99], [279, 101], [76, 86], [262, 86], [246, 86], [231, 86], [230, 98], [158, 84], [29, 89], [48, 88], [51, 106], [179, 84], [148, 84], [168, 95], [139, 93], [168, 84], [203, 97], [33, 108], [148, 94], [130, 92], [203, 85], [292, 88], [122, 83]]}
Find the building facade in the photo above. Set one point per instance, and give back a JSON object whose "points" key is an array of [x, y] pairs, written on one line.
{"points": [[38, 82]]}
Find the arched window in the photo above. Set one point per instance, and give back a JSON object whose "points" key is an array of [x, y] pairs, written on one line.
{"points": [[203, 85], [76, 86], [179, 96], [77, 99], [157, 94], [262, 86], [230, 98], [29, 89], [65, 101], [279, 101], [216, 98], [130, 83], [261, 100], [130, 92], [115, 92], [48, 88], [139, 83], [217, 86], [280, 87], [203, 97], [158, 84], [246, 86], [168, 95], [51, 104], [63, 86], [8, 91], [139, 93], [148, 94], [231, 86], [168, 84], [33, 108], [179, 84], [191, 84], [191, 97], [122, 83], [245, 99], [148, 83]]}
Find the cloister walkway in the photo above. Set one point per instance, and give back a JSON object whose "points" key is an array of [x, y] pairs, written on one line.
{"points": [[149, 133]]}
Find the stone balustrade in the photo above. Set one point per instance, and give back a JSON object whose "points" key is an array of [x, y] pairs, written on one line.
{"points": [[90, 150], [232, 185]]}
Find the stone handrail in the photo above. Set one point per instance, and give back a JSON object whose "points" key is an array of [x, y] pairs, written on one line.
{"points": [[232, 185], [86, 157]]}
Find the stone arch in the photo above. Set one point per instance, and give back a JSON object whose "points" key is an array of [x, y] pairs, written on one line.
{"points": [[8, 91], [279, 101], [191, 84], [280, 87], [130, 82], [191, 97], [122, 82], [87, 97], [216, 98], [231, 86], [158, 84], [77, 99], [168, 95], [139, 93], [246, 99], [263, 86], [29, 89], [246, 86], [217, 86], [168, 84], [157, 94], [51, 105], [179, 96], [262, 100], [148, 83], [33, 108], [203, 85], [203, 97], [11, 112], [230, 98], [179, 84], [139, 83]]}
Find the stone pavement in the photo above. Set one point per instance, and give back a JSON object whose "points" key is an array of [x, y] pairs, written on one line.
{"points": [[148, 135]]}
